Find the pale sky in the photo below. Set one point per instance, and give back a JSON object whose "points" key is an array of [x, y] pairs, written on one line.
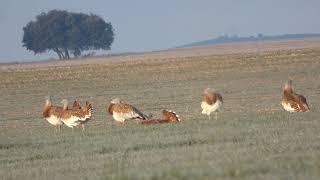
{"points": [[146, 25]]}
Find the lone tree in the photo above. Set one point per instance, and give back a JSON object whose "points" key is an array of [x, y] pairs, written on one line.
{"points": [[67, 33]]}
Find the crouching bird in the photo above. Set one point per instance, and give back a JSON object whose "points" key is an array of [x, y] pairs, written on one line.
{"points": [[121, 111], [292, 101], [211, 102], [168, 117]]}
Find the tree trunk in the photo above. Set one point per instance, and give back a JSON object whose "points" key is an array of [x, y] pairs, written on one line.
{"points": [[60, 54], [66, 53]]}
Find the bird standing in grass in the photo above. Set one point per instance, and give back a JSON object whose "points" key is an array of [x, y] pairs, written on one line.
{"points": [[211, 102], [76, 107], [168, 117], [121, 111], [292, 101], [52, 114], [75, 117]]}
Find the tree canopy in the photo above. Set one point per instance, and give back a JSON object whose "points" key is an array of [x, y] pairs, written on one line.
{"points": [[67, 33]]}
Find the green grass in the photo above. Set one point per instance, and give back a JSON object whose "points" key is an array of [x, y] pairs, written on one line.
{"points": [[252, 139]]}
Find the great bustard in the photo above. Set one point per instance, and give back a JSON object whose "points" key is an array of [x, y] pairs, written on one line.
{"points": [[121, 111], [168, 117], [292, 101], [72, 118], [211, 102], [52, 114], [76, 107]]}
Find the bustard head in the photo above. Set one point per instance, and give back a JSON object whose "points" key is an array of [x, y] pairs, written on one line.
{"points": [[208, 91], [48, 100], [115, 101], [288, 86]]}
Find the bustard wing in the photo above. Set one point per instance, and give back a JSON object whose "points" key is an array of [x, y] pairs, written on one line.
{"points": [[139, 114], [127, 111], [76, 105], [297, 102], [88, 110], [70, 118], [84, 113], [75, 117], [110, 108], [51, 110], [170, 116], [302, 101], [211, 98], [52, 114], [219, 97]]}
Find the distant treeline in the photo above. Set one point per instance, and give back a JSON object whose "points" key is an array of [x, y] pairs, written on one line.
{"points": [[229, 39]]}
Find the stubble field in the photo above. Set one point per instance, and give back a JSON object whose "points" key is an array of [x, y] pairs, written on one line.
{"points": [[253, 137]]}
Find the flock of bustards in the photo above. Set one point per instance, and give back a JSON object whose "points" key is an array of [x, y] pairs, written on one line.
{"points": [[211, 102]]}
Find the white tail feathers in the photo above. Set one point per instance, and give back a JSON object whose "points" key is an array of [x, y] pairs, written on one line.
{"points": [[171, 116]]}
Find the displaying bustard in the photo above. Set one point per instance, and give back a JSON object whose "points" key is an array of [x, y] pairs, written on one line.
{"points": [[168, 117], [121, 111], [292, 101], [75, 117], [52, 114], [211, 102], [76, 106]]}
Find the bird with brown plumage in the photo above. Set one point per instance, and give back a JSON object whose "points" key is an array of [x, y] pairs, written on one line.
{"points": [[211, 102], [169, 116], [75, 116], [76, 106], [52, 114], [122, 112], [292, 101]]}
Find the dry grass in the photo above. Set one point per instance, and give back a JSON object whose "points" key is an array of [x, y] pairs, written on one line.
{"points": [[252, 139]]}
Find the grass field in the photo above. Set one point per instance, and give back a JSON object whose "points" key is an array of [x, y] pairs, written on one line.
{"points": [[253, 137]]}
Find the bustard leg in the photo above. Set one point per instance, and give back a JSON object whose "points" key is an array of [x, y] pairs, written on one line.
{"points": [[209, 117], [55, 129], [59, 129], [83, 128], [216, 115], [120, 123]]}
